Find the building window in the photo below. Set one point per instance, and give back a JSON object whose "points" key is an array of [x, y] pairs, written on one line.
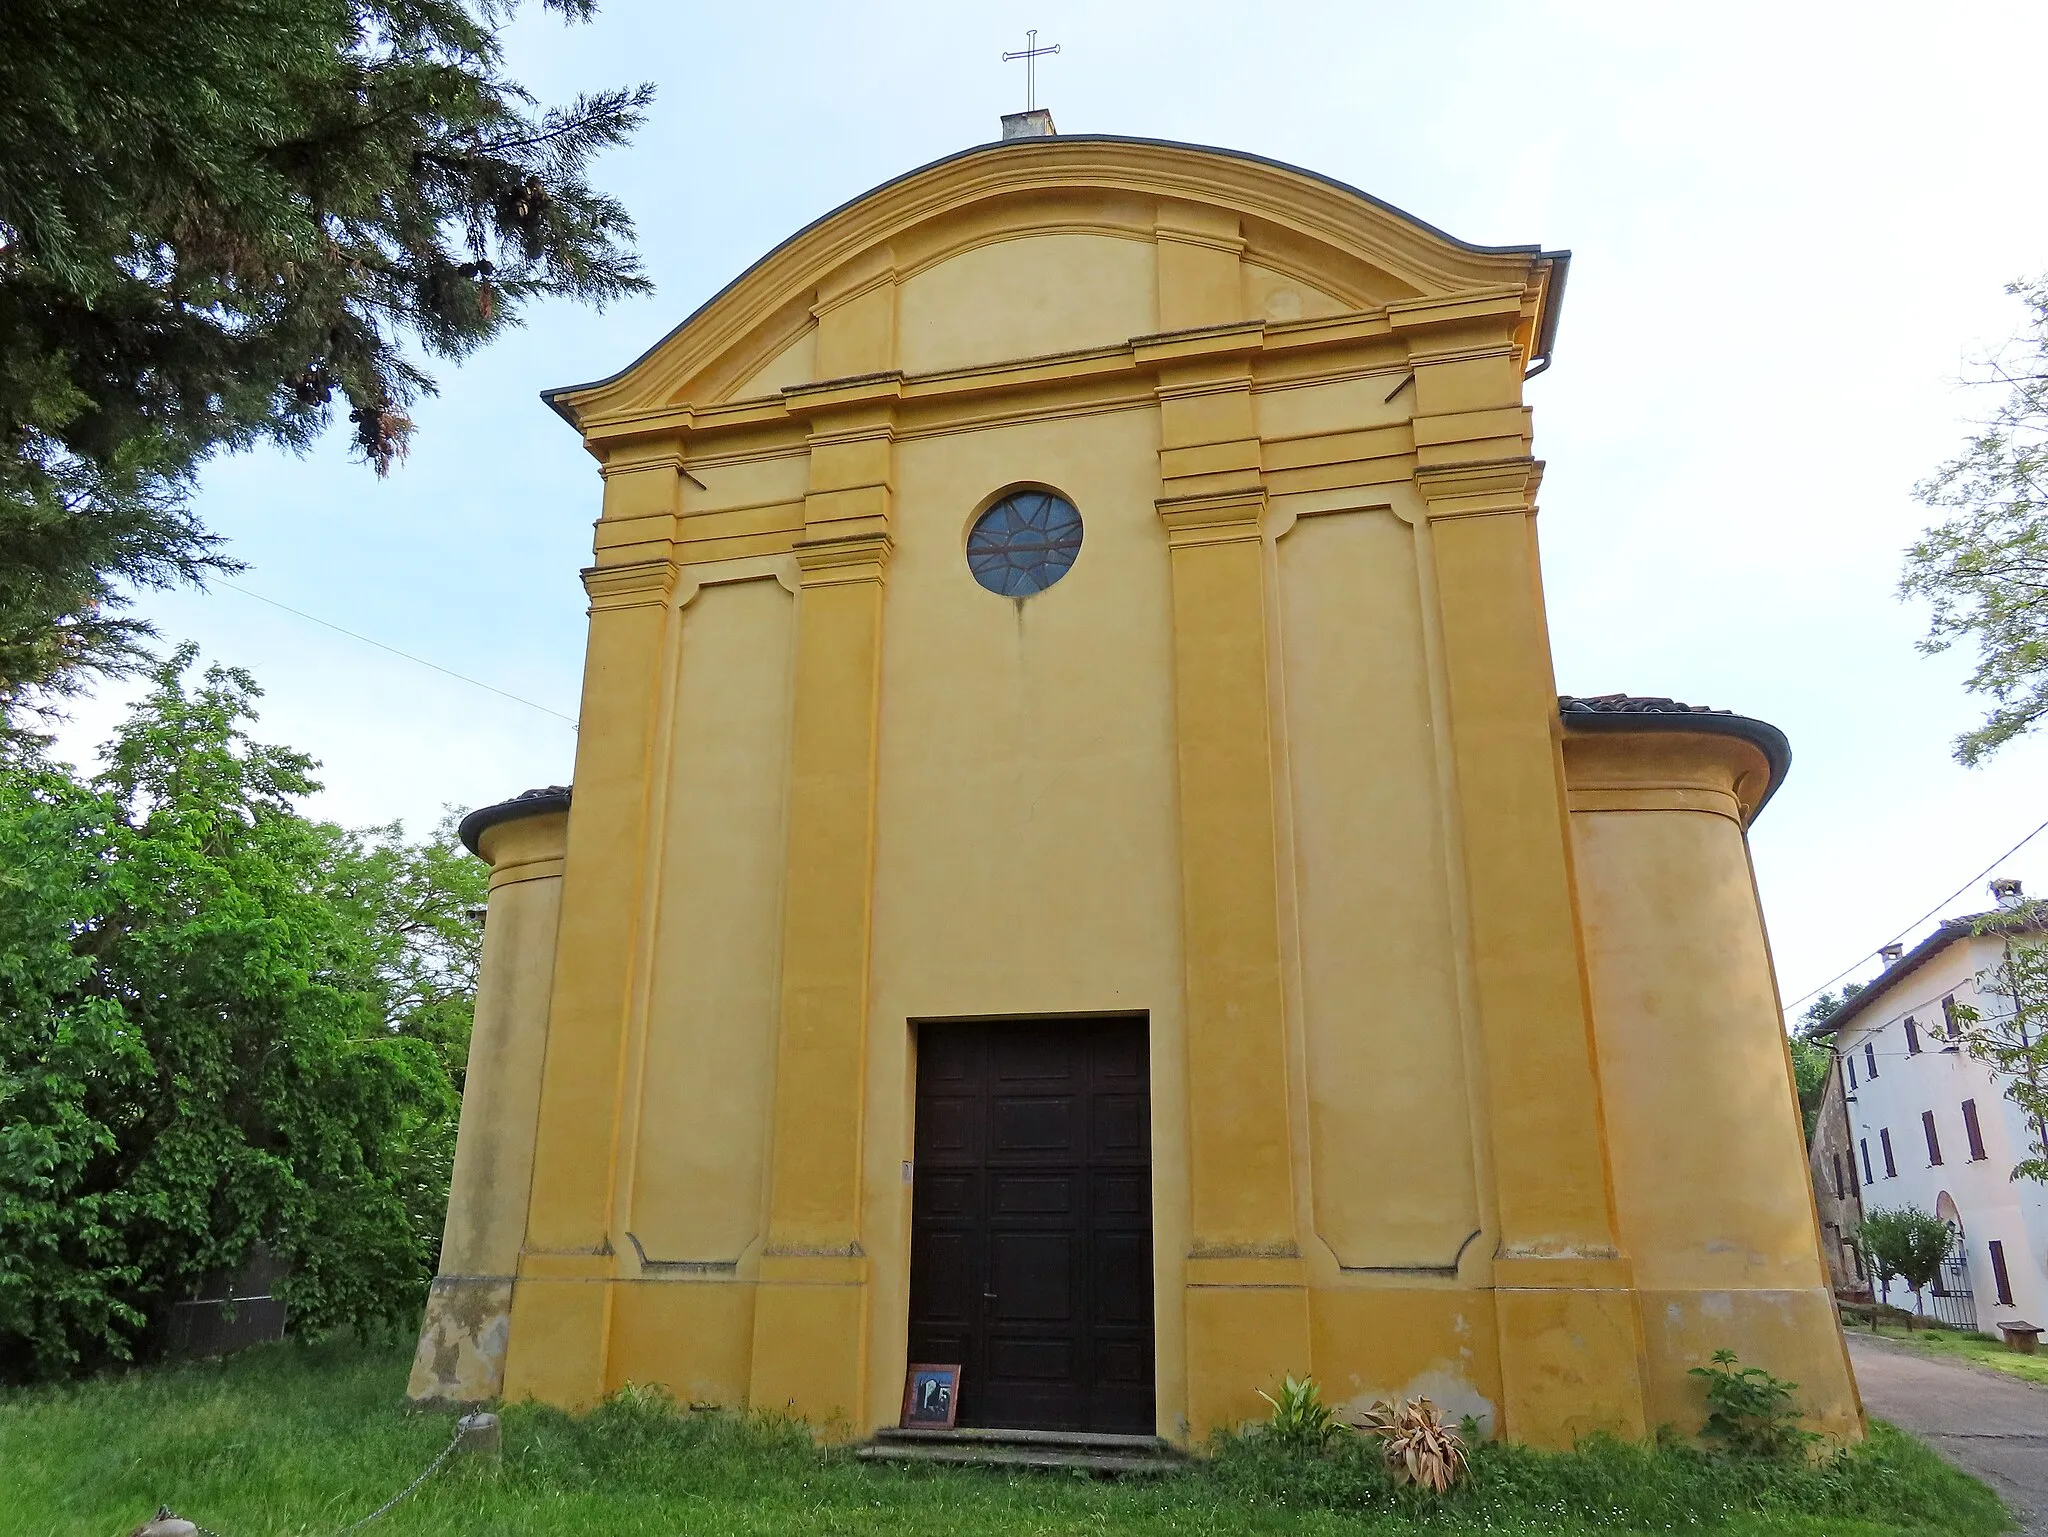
{"points": [[1869, 1060], [1024, 543], [1840, 1194], [1933, 1142], [1912, 1036], [1850, 1063], [1884, 1144], [1998, 1276], [1864, 1143], [1950, 1022], [1972, 1131]]}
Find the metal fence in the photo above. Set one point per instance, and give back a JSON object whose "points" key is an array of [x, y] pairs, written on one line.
{"points": [[1950, 1299]]}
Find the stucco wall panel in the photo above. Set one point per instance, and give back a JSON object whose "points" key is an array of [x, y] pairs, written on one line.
{"points": [[1392, 1172], [795, 364], [1027, 297], [711, 1022]]}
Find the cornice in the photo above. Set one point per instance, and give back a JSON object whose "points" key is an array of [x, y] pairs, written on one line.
{"points": [[1231, 517], [1313, 207], [1294, 345], [1479, 489], [634, 584], [840, 562]]}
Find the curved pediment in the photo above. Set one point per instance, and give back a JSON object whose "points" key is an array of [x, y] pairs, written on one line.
{"points": [[1045, 246]]}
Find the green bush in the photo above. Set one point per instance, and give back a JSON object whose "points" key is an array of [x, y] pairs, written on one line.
{"points": [[1300, 1417], [1750, 1413]]}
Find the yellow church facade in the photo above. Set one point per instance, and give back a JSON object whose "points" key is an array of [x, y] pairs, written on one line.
{"points": [[1077, 868]]}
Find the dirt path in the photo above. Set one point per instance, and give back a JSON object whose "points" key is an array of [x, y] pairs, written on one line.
{"points": [[1981, 1420]]}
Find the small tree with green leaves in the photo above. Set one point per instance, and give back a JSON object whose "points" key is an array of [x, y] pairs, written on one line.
{"points": [[1984, 572], [1751, 1413], [2012, 1038], [1906, 1242]]}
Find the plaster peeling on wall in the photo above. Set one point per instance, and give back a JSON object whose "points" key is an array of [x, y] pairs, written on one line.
{"points": [[1444, 1385]]}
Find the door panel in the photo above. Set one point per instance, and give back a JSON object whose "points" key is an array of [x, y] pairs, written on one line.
{"points": [[1031, 1222]]}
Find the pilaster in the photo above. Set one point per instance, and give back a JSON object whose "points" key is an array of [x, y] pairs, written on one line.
{"points": [[810, 1334], [1247, 1303], [1570, 1338], [561, 1306]]}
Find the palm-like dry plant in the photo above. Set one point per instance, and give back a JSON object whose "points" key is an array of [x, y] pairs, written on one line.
{"points": [[1419, 1447]]}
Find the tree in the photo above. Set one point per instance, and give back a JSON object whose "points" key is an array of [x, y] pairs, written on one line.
{"points": [[226, 1024], [1906, 1242], [224, 222], [1810, 1062], [1810, 1058], [2013, 1040], [1985, 570]]}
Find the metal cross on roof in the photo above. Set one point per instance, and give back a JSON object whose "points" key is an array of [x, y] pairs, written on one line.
{"points": [[1030, 53]]}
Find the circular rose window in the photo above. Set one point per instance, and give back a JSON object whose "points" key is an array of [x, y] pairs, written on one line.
{"points": [[1024, 543]]}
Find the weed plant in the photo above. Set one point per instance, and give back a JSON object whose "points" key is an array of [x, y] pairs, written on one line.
{"points": [[299, 1440]]}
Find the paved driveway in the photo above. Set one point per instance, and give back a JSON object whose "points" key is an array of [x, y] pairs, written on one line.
{"points": [[1982, 1420]]}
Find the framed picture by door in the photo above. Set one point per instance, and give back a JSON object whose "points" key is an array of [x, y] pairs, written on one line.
{"points": [[931, 1397]]}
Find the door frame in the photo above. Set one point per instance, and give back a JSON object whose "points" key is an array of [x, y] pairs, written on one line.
{"points": [[1145, 1018]]}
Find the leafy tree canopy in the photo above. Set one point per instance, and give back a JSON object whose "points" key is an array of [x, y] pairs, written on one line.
{"points": [[1985, 571], [1825, 1008], [224, 222], [1810, 1076], [225, 1024]]}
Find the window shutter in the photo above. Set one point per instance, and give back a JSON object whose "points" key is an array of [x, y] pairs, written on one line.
{"points": [[1973, 1131], [1869, 1060], [1884, 1142], [1933, 1142], [1864, 1143], [1912, 1036], [1840, 1194], [1998, 1275], [1850, 1063], [1948, 1018]]}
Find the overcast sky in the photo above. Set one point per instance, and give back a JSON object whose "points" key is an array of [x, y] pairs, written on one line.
{"points": [[1791, 226]]}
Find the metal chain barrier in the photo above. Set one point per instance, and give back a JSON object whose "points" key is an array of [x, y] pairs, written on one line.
{"points": [[481, 1430]]}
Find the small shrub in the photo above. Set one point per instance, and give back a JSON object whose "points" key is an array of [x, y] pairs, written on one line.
{"points": [[1419, 1447], [1300, 1417], [1750, 1412]]}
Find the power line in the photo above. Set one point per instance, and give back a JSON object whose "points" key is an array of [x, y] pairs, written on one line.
{"points": [[1937, 907], [422, 661]]}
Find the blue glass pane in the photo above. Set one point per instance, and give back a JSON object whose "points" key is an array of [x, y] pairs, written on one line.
{"points": [[1024, 543]]}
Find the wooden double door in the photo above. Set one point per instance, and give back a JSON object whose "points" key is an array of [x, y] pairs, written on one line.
{"points": [[1031, 1221]]}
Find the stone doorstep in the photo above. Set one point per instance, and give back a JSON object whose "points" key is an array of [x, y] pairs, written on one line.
{"points": [[1081, 1451]]}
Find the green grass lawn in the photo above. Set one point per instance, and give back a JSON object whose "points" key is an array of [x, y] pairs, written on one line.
{"points": [[299, 1440], [1979, 1349]]}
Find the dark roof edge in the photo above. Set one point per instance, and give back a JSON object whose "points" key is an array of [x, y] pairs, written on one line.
{"points": [[1560, 264], [1946, 933], [528, 803], [1766, 738], [1560, 259]]}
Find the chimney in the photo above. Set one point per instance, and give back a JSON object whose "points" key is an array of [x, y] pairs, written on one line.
{"points": [[1891, 952], [1035, 124], [2006, 892]]}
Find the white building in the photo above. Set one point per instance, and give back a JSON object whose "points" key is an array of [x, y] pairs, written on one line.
{"points": [[1931, 1126]]}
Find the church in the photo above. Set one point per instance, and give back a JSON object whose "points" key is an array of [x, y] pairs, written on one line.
{"points": [[1078, 870]]}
